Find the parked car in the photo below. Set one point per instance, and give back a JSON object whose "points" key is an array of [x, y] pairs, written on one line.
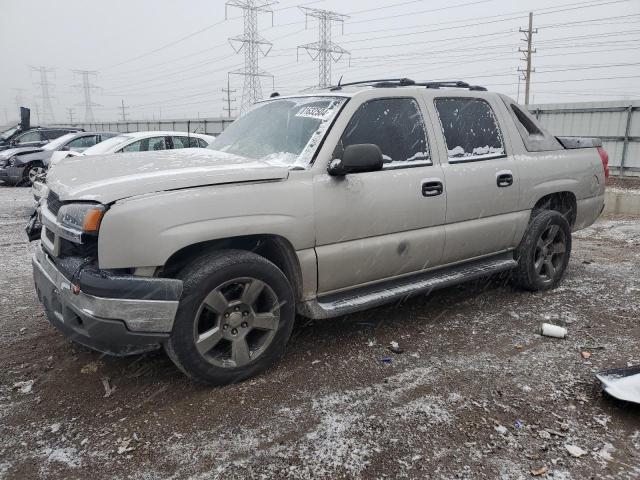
{"points": [[144, 142], [34, 137], [23, 165], [323, 205], [131, 142]]}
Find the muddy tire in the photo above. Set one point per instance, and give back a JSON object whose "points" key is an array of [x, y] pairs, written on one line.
{"points": [[235, 317], [544, 252]]}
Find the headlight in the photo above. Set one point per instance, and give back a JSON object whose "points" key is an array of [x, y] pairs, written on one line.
{"points": [[11, 161], [85, 217]]}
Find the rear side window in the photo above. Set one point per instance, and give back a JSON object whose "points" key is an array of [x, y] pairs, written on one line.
{"points": [[395, 125], [146, 144], [184, 142], [470, 129], [33, 136], [202, 143]]}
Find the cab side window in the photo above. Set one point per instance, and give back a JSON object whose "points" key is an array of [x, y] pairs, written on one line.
{"points": [[393, 124], [470, 129]]}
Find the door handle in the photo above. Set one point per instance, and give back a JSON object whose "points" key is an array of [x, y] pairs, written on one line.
{"points": [[504, 178], [432, 188]]}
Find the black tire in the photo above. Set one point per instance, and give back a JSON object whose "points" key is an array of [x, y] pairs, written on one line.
{"points": [[542, 260], [208, 274]]}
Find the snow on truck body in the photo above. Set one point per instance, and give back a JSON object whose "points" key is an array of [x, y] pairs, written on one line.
{"points": [[321, 204]]}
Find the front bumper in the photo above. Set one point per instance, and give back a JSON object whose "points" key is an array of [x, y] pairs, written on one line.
{"points": [[116, 326]]}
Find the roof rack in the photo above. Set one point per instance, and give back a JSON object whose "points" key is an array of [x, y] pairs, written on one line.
{"points": [[407, 82]]}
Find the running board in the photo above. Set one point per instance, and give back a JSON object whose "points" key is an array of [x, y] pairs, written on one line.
{"points": [[343, 303]]}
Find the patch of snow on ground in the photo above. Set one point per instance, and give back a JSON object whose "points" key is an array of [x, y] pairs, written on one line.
{"points": [[619, 230]]}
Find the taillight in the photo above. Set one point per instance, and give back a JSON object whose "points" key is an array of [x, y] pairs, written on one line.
{"points": [[604, 157]]}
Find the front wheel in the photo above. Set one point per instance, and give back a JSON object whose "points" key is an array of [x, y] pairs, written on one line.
{"points": [[234, 319], [32, 173], [544, 252]]}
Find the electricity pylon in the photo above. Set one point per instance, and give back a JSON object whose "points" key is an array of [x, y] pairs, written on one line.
{"points": [[47, 110], [87, 86], [253, 45], [324, 50]]}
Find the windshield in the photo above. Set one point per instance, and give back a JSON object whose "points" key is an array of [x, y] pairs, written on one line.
{"points": [[7, 133], [282, 131], [108, 146], [58, 142]]}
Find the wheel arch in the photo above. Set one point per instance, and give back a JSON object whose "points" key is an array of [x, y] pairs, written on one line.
{"points": [[564, 202], [274, 248]]}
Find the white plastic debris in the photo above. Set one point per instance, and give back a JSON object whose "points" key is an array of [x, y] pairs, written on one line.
{"points": [[24, 387], [549, 330], [108, 389], [622, 383], [501, 429], [55, 428], [575, 451]]}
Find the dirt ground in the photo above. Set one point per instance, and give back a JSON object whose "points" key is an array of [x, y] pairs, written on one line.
{"points": [[477, 393]]}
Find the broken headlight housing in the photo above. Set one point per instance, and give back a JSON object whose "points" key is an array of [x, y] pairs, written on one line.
{"points": [[84, 217]]}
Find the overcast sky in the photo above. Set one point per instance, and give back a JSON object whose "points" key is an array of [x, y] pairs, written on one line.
{"points": [[170, 59]]}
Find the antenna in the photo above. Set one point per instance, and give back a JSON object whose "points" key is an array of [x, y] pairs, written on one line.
{"points": [[253, 45], [325, 51]]}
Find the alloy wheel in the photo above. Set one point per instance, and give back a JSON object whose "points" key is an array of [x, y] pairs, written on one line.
{"points": [[236, 322], [549, 253]]}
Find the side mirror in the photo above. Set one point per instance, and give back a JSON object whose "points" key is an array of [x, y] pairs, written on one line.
{"points": [[365, 157], [66, 148]]}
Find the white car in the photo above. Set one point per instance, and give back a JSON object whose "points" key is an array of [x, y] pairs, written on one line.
{"points": [[131, 142]]}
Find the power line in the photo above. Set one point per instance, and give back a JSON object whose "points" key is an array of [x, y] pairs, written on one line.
{"points": [[87, 87], [325, 50], [252, 44], [47, 110]]}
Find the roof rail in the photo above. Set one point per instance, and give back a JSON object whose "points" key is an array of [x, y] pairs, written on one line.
{"points": [[407, 82]]}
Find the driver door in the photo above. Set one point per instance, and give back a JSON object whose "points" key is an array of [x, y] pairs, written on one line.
{"points": [[372, 226]]}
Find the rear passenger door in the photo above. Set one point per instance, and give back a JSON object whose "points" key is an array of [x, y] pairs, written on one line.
{"points": [[483, 187]]}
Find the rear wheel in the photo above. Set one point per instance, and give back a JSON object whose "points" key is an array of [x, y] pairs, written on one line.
{"points": [[234, 319], [543, 254]]}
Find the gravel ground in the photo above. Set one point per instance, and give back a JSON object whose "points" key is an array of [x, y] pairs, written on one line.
{"points": [[477, 392]]}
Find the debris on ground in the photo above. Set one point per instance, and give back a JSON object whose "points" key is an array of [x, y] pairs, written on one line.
{"points": [[586, 355], [501, 429], [24, 387], [575, 451], [536, 472], [622, 383], [108, 389], [91, 367], [395, 348], [386, 360], [549, 330]]}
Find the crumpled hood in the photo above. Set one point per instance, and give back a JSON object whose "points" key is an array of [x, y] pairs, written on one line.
{"points": [[107, 178], [19, 150]]}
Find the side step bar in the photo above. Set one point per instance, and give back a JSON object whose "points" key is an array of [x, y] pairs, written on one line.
{"points": [[343, 303]]}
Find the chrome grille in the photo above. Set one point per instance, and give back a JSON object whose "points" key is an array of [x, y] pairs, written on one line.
{"points": [[53, 203]]}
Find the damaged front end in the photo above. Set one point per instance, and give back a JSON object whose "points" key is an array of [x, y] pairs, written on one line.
{"points": [[114, 312]]}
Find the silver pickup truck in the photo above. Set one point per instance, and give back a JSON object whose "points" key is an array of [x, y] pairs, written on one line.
{"points": [[319, 205]]}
